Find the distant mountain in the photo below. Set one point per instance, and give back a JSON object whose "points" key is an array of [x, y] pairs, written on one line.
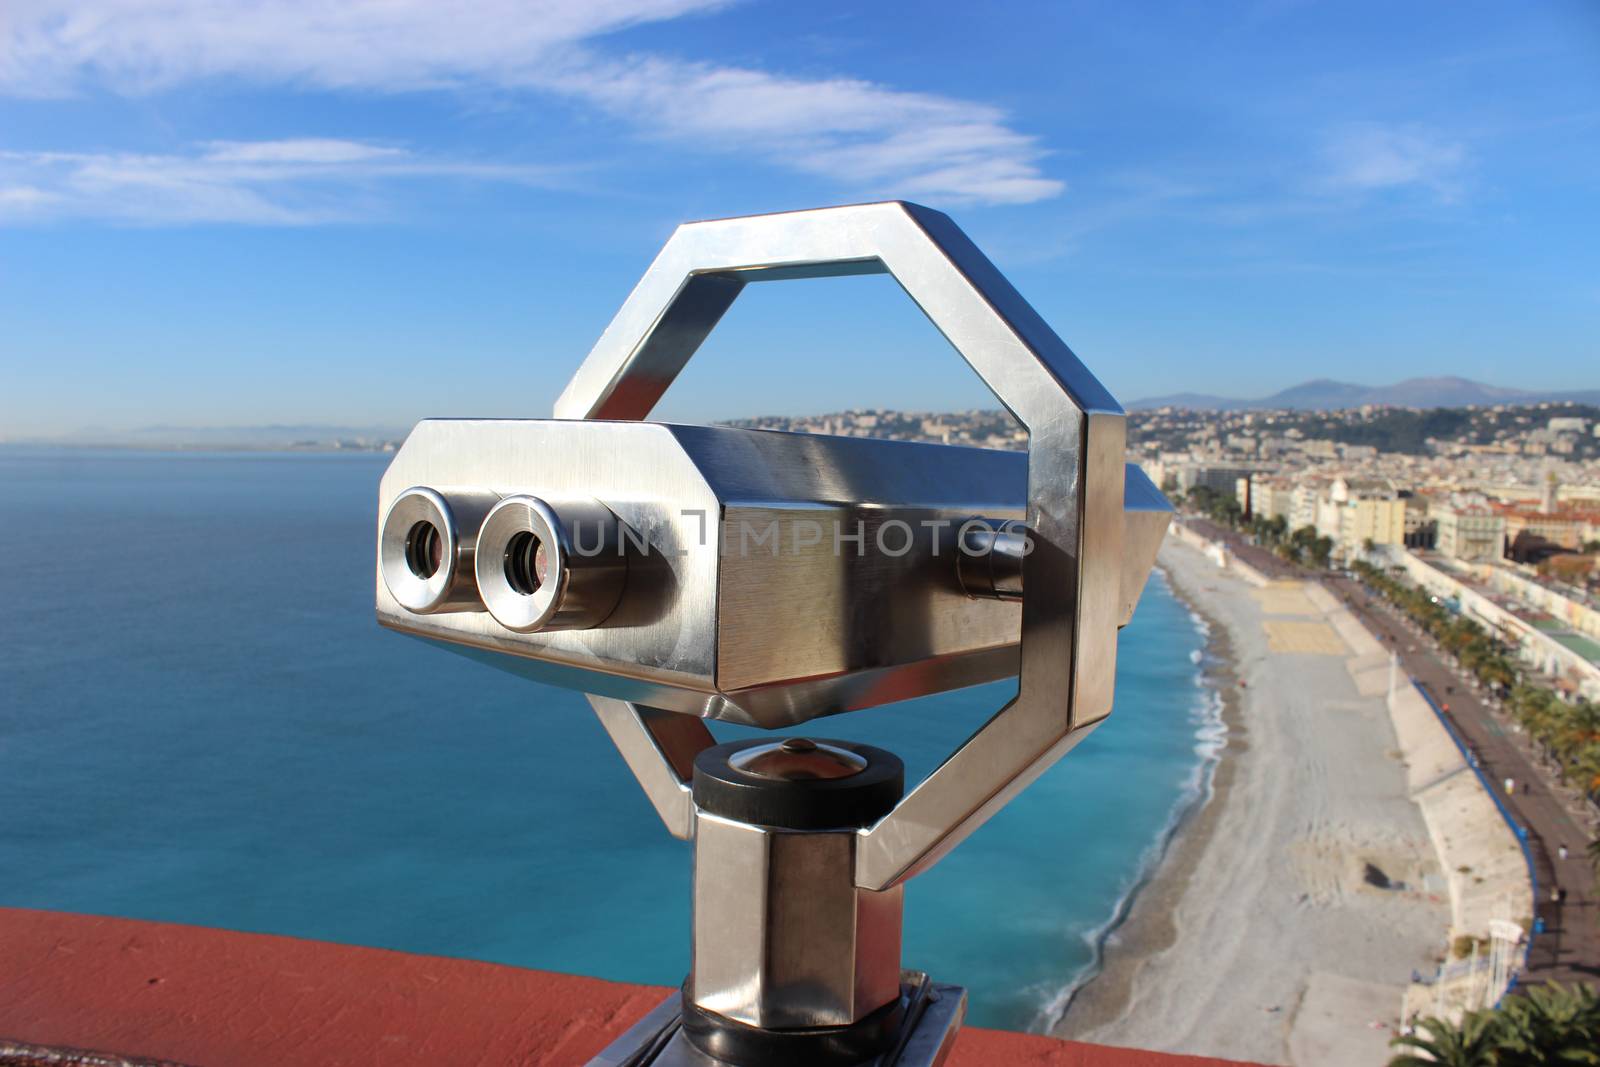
{"points": [[1327, 395], [1320, 395], [1192, 401]]}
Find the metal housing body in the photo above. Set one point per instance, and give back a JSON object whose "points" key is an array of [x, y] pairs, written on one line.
{"points": [[773, 577]]}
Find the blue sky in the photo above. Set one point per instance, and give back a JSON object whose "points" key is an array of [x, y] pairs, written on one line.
{"points": [[218, 212]]}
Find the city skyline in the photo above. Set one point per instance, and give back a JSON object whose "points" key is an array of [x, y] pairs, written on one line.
{"points": [[216, 216]]}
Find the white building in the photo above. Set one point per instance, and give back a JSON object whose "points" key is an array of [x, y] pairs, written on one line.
{"points": [[1357, 510], [1469, 531]]}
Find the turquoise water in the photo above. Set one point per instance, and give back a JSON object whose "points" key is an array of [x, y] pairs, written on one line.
{"points": [[200, 722]]}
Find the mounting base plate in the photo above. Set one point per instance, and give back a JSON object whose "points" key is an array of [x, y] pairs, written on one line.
{"points": [[933, 1016]]}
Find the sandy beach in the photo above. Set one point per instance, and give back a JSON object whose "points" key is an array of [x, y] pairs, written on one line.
{"points": [[1294, 903]]}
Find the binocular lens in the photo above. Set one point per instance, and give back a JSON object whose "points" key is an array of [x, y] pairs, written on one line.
{"points": [[424, 550], [526, 563]]}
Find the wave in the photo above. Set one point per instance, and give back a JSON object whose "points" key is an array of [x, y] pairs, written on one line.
{"points": [[1211, 738]]}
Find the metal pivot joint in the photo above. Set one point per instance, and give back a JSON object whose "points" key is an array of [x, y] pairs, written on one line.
{"points": [[680, 574]]}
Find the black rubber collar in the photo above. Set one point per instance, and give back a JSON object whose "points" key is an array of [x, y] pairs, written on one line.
{"points": [[738, 1043], [812, 804]]}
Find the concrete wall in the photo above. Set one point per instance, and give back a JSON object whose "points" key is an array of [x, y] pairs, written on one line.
{"points": [[1486, 872], [1362, 644], [1482, 859], [1463, 821], [1218, 553]]}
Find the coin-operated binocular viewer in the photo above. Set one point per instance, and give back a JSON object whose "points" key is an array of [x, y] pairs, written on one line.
{"points": [[684, 573]]}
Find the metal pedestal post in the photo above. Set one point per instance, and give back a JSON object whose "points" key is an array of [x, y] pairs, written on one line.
{"points": [[795, 965]]}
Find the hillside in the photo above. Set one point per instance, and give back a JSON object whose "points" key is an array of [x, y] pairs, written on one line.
{"points": [[1324, 394]]}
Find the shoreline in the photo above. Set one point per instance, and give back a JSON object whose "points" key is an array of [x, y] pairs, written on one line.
{"points": [[1143, 923]]}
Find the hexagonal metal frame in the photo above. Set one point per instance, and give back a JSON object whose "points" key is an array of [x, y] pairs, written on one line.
{"points": [[1070, 611]]}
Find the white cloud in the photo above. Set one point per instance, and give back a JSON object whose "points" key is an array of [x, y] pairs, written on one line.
{"points": [[315, 151], [885, 140], [58, 46], [866, 137], [1372, 156], [282, 183]]}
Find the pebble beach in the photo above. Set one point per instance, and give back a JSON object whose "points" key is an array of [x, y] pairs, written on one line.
{"points": [[1296, 899]]}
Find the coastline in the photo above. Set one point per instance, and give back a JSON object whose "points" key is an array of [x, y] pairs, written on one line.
{"points": [[1144, 922], [1291, 906]]}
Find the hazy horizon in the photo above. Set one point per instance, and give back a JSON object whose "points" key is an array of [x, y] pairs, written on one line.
{"points": [[286, 431]]}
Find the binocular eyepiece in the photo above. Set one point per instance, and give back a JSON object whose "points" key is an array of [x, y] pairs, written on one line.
{"points": [[532, 565], [426, 546]]}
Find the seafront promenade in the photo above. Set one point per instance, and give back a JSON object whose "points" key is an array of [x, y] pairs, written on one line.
{"points": [[1568, 948]]}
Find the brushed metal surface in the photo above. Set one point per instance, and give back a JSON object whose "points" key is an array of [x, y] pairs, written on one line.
{"points": [[1145, 517], [659, 747], [1075, 468], [854, 537], [783, 937]]}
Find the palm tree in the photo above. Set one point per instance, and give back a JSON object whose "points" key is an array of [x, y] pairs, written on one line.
{"points": [[1585, 771], [1472, 1044], [1547, 1026], [1583, 720], [1496, 672], [1550, 1024]]}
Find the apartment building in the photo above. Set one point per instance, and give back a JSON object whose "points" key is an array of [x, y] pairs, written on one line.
{"points": [[1357, 510], [1468, 531], [1218, 477], [1560, 528]]}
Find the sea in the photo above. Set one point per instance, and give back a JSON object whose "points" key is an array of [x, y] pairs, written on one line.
{"points": [[201, 722]]}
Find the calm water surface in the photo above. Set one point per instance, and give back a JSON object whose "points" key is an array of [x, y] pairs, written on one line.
{"points": [[200, 722]]}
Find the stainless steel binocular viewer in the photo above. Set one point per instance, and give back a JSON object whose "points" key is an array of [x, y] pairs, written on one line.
{"points": [[684, 573]]}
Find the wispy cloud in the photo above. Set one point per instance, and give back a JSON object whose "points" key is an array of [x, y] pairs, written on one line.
{"points": [[866, 137], [282, 183], [57, 47], [883, 140], [1371, 156]]}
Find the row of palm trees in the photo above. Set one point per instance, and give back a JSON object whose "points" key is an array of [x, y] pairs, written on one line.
{"points": [[1569, 732], [1546, 1026]]}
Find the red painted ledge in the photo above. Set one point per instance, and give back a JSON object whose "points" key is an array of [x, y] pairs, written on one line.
{"points": [[216, 998]]}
